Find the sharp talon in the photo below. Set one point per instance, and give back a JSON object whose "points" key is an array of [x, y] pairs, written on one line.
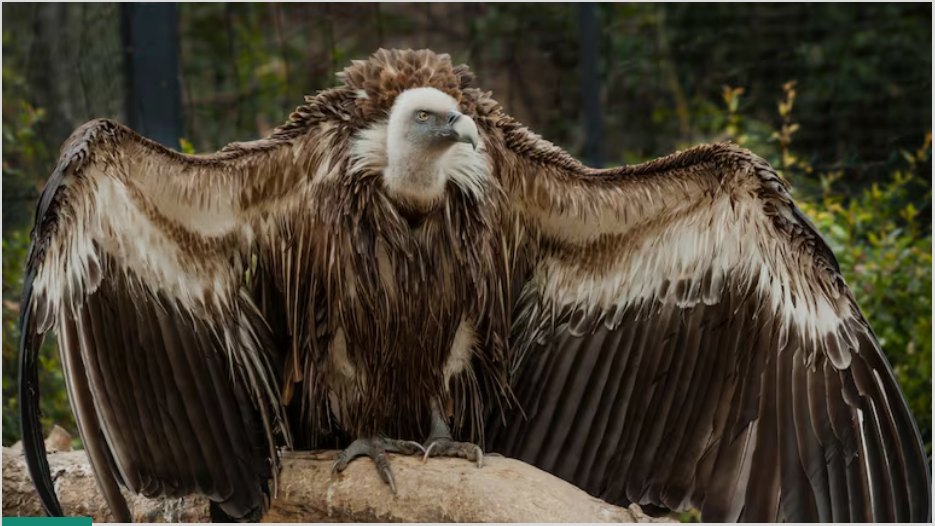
{"points": [[416, 445], [386, 474], [428, 451], [383, 467], [375, 448]]}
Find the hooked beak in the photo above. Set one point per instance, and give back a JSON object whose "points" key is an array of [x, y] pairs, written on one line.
{"points": [[462, 128]]}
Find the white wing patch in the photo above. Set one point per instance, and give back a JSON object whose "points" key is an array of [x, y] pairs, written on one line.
{"points": [[700, 247], [622, 210], [684, 249], [109, 217]]}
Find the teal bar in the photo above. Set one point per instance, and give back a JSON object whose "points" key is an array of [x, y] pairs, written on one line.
{"points": [[43, 521]]}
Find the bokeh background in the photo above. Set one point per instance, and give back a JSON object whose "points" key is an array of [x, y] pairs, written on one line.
{"points": [[837, 96]]}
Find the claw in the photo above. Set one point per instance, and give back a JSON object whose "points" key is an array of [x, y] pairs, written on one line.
{"points": [[445, 447], [414, 444], [383, 467], [339, 463], [375, 448], [428, 451]]}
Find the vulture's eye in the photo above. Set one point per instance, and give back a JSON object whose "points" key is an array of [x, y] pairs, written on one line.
{"points": [[422, 115]]}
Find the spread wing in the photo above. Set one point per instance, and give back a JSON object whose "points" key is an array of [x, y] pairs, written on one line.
{"points": [[684, 338], [138, 260]]}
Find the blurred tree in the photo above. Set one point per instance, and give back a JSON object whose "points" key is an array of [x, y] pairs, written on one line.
{"points": [[151, 58], [864, 72]]}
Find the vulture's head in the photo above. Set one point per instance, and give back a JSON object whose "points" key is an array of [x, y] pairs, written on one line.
{"points": [[429, 144], [427, 119]]}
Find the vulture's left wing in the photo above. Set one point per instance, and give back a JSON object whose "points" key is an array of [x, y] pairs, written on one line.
{"points": [[684, 338]]}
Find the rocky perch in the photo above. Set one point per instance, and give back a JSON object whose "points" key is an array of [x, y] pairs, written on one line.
{"points": [[440, 490]]}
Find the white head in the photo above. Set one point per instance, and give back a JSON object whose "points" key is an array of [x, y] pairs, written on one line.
{"points": [[428, 141]]}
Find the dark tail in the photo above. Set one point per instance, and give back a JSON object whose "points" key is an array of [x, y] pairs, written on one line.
{"points": [[33, 441]]}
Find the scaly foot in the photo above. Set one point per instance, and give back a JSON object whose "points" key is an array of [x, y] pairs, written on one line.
{"points": [[376, 448], [446, 447], [441, 444]]}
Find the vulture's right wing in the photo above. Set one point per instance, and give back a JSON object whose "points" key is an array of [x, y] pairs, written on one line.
{"points": [[137, 260], [684, 338]]}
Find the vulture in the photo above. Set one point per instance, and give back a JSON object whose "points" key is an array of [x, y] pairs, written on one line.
{"points": [[404, 268]]}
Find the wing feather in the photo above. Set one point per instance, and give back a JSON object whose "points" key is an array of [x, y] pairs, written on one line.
{"points": [[812, 455], [685, 339], [620, 419], [590, 403], [116, 427], [605, 405], [673, 477], [644, 415], [666, 438], [153, 380], [138, 260], [89, 424], [140, 398]]}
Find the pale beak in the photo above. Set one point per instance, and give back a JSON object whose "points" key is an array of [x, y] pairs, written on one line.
{"points": [[462, 128]]}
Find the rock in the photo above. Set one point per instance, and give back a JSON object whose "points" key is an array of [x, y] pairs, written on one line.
{"points": [[440, 490]]}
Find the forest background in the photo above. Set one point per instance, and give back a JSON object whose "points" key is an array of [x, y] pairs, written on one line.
{"points": [[836, 96]]}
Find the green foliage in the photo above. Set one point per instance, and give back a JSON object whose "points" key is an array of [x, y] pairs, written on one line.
{"points": [[187, 146], [23, 157], [23, 152]]}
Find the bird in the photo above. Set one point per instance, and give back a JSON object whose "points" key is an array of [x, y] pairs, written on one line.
{"points": [[402, 267]]}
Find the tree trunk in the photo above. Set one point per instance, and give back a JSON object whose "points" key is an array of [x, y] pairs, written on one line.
{"points": [[440, 490]]}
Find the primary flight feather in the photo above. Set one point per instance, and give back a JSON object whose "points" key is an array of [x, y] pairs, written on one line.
{"points": [[402, 267]]}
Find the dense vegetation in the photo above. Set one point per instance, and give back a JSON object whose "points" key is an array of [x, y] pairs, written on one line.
{"points": [[852, 133]]}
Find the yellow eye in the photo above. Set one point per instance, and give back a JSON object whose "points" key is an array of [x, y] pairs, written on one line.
{"points": [[422, 115]]}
